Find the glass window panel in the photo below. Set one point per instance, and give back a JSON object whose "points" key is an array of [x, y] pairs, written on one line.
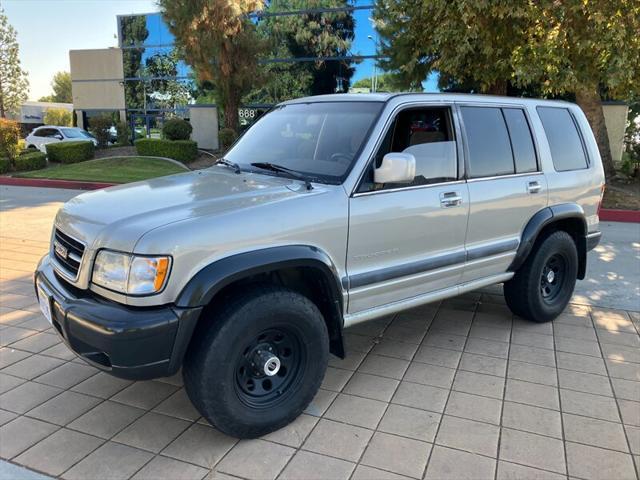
{"points": [[523, 150], [567, 151], [487, 142]]}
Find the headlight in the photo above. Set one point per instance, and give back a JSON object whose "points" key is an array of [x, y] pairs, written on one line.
{"points": [[130, 274]]}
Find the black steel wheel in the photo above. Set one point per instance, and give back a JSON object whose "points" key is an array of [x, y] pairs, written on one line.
{"points": [[552, 277], [256, 360], [268, 367]]}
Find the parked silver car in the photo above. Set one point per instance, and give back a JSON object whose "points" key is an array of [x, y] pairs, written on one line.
{"points": [[41, 136], [329, 211]]}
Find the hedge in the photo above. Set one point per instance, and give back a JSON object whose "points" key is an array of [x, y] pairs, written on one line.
{"points": [[31, 161], [5, 165], [184, 151], [226, 137], [70, 152]]}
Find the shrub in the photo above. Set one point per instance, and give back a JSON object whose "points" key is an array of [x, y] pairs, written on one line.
{"points": [[184, 151], [5, 165], [31, 161], [9, 139], [226, 137], [100, 127], [58, 116], [177, 129], [70, 152], [123, 132]]}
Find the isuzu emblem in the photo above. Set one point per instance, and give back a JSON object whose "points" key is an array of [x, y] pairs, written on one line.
{"points": [[60, 250]]}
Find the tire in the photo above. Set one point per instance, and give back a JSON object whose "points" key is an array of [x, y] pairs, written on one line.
{"points": [[251, 328], [534, 293]]}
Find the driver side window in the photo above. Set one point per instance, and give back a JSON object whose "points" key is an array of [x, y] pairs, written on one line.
{"points": [[427, 134]]}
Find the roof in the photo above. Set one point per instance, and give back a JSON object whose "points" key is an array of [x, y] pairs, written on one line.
{"points": [[413, 96]]}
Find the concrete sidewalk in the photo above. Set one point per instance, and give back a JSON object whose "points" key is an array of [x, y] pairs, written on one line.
{"points": [[457, 389]]}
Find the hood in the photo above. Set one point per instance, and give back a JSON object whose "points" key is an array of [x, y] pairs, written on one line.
{"points": [[118, 216]]}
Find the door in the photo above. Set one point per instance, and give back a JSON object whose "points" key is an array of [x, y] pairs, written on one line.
{"points": [[506, 186], [406, 240]]}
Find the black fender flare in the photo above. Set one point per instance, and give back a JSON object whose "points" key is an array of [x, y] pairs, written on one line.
{"points": [[544, 218], [202, 288]]}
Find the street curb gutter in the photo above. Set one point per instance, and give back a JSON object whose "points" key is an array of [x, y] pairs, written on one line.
{"points": [[48, 183], [615, 215]]}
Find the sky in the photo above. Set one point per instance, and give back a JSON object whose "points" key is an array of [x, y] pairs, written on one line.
{"points": [[48, 29]]}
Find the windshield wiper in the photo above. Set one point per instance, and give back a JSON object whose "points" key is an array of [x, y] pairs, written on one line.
{"points": [[229, 163], [287, 171]]}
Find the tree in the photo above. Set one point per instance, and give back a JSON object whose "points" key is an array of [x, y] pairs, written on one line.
{"points": [[61, 85], [585, 48], [58, 116], [14, 86], [220, 42], [556, 48], [385, 82], [462, 39]]}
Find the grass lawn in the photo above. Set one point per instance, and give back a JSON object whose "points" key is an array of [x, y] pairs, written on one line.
{"points": [[109, 170]]}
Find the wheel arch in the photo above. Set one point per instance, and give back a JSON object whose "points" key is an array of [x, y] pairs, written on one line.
{"points": [[303, 268], [568, 217]]}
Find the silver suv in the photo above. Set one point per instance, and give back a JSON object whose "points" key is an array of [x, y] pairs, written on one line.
{"points": [[329, 211]]}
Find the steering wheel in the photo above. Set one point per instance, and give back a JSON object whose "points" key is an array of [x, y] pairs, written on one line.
{"points": [[341, 157]]}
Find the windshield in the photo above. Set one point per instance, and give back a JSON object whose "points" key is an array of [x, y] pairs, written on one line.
{"points": [[75, 133], [319, 140]]}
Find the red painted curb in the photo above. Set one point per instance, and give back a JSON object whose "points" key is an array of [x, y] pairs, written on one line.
{"points": [[48, 183], [614, 215]]}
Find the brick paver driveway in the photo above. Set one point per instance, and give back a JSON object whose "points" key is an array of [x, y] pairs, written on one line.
{"points": [[456, 390]]}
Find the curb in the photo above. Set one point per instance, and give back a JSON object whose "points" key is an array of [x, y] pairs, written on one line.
{"points": [[616, 215], [48, 183]]}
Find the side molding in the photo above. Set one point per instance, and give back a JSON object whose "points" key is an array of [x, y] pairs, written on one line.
{"points": [[543, 218]]}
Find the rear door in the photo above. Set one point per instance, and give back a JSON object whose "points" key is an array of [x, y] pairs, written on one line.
{"points": [[506, 185], [406, 240]]}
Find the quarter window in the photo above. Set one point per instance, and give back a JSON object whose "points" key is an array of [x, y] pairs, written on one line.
{"points": [[524, 152], [567, 151], [487, 142]]}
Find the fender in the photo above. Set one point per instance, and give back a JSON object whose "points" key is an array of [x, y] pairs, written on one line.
{"points": [[202, 288], [541, 220]]}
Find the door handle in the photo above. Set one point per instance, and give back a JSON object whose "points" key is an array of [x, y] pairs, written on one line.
{"points": [[450, 199], [534, 187]]}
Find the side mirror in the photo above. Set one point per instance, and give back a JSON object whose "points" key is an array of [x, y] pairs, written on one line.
{"points": [[396, 168], [58, 136]]}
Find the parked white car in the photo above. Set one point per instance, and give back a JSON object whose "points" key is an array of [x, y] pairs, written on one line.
{"points": [[40, 136]]}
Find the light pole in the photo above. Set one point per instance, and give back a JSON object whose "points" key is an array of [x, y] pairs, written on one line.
{"points": [[374, 80]]}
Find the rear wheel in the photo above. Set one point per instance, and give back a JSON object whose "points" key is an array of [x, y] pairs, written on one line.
{"points": [[541, 289], [259, 362]]}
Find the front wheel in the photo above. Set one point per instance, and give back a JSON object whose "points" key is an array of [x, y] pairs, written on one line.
{"points": [[258, 362], [541, 289]]}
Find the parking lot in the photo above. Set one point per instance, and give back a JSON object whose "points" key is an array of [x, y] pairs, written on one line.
{"points": [[459, 389]]}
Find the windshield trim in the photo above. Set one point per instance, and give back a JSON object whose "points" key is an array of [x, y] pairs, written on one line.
{"points": [[315, 177]]}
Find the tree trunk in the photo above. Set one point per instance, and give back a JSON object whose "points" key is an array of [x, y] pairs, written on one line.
{"points": [[589, 100], [497, 88], [231, 119], [2, 112]]}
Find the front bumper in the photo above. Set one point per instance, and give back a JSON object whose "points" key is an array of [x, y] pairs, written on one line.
{"points": [[593, 239], [128, 342]]}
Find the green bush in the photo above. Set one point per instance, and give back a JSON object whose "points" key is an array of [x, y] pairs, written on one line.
{"points": [[184, 151], [226, 137], [123, 132], [9, 139], [5, 165], [70, 152], [100, 127], [177, 129], [31, 161]]}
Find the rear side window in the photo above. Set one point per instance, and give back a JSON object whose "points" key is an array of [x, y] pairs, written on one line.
{"points": [[524, 152], [567, 150], [488, 142]]}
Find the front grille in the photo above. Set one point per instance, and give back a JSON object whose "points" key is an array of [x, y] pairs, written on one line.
{"points": [[68, 253]]}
